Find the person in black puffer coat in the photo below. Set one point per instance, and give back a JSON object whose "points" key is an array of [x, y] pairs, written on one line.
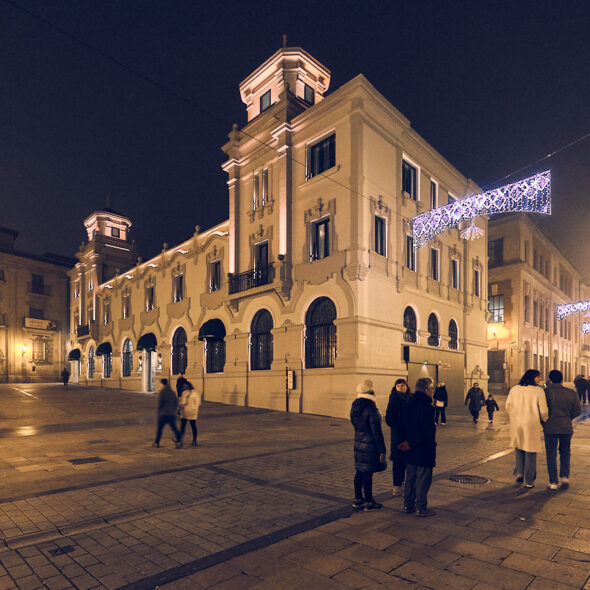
{"points": [[400, 396], [369, 445]]}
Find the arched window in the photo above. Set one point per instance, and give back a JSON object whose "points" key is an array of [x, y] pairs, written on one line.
{"points": [[213, 332], [127, 358], [320, 334], [91, 362], [453, 335], [107, 364], [179, 355], [433, 337], [261, 343], [410, 325]]}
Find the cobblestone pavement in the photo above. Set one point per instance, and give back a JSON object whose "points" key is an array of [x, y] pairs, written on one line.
{"points": [[264, 501]]}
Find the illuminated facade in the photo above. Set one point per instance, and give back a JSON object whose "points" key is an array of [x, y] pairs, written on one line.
{"points": [[313, 283], [34, 325], [529, 277]]}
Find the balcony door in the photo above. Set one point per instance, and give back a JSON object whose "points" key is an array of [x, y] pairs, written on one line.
{"points": [[261, 256]]}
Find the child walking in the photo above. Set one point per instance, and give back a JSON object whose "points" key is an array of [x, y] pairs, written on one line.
{"points": [[491, 407]]}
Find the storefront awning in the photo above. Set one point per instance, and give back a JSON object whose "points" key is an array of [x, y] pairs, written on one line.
{"points": [[212, 330], [104, 348], [74, 355], [147, 342]]}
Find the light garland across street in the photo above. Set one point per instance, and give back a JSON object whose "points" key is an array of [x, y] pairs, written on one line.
{"points": [[566, 309], [530, 195]]}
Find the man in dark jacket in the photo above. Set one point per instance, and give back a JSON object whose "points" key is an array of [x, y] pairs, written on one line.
{"points": [[475, 400], [399, 397], [420, 447], [167, 408], [582, 387], [180, 383], [369, 445], [564, 406]]}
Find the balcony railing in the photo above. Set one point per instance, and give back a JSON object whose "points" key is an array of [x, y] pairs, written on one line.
{"points": [[255, 277]]}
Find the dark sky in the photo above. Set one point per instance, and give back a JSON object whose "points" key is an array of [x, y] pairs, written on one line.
{"points": [[493, 86]]}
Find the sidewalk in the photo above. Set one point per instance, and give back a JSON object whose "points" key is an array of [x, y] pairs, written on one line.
{"points": [[264, 502]]}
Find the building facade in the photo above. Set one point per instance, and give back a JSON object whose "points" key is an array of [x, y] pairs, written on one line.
{"points": [[312, 284], [528, 278], [34, 326]]}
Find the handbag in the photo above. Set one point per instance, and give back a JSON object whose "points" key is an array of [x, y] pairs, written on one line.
{"points": [[439, 403], [382, 466]]}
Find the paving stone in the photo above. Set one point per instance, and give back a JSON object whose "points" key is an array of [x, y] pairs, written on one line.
{"points": [[480, 551], [414, 571], [504, 577], [549, 570], [522, 546], [365, 555], [542, 584], [556, 540]]}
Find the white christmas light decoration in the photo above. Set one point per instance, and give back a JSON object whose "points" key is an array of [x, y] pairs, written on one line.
{"points": [[472, 232], [531, 195], [585, 327], [566, 309]]}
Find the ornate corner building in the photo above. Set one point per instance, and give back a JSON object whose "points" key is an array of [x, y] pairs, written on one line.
{"points": [[313, 283]]}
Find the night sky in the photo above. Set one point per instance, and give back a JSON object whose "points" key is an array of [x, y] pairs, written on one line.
{"points": [[493, 86]]}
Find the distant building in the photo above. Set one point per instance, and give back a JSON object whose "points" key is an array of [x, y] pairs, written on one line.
{"points": [[34, 327], [312, 284], [529, 277]]}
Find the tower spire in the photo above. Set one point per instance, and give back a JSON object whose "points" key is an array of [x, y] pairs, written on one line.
{"points": [[284, 41]]}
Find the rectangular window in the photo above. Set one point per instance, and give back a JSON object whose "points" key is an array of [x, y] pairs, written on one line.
{"points": [[255, 191], [36, 312], [496, 252], [264, 186], [265, 101], [322, 156], [434, 264], [433, 195], [115, 232], [526, 251], [476, 282], [535, 313], [547, 319], [76, 290], [308, 94], [215, 276], [409, 180], [106, 312], [40, 350], [37, 284], [178, 288], [320, 239], [149, 298], [527, 308], [410, 253], [380, 235], [496, 308], [126, 300], [261, 255], [455, 273], [1, 274]]}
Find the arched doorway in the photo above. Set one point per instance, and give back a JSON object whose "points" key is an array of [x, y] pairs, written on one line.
{"points": [[213, 332], [320, 334], [261, 349], [127, 358]]}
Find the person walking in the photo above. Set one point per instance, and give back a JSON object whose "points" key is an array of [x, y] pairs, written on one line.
{"points": [[369, 445], [65, 376], [167, 408], [419, 444], [189, 405], [582, 388], [564, 406], [491, 406], [441, 400], [180, 383], [399, 396], [475, 399], [527, 407]]}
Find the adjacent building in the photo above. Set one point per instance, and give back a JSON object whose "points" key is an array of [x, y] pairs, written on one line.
{"points": [[529, 277], [34, 313], [313, 283]]}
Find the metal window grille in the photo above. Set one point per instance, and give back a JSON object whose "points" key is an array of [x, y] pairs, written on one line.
{"points": [[410, 325], [215, 356], [496, 308], [107, 364], [433, 338], [261, 346], [179, 352], [320, 341], [91, 362], [127, 358]]}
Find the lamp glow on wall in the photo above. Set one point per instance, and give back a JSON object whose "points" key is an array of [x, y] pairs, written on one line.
{"points": [[530, 195]]}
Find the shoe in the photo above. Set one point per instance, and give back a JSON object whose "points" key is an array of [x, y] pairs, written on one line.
{"points": [[194, 443], [565, 482], [443, 423], [396, 491], [529, 486], [409, 509], [359, 503], [156, 445], [475, 421], [520, 479], [424, 513], [552, 486], [178, 445], [372, 505], [491, 422]]}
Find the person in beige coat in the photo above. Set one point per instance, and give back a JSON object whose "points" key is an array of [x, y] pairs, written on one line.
{"points": [[189, 404], [526, 405]]}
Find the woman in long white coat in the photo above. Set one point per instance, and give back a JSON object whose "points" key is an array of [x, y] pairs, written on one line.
{"points": [[526, 405], [189, 404]]}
